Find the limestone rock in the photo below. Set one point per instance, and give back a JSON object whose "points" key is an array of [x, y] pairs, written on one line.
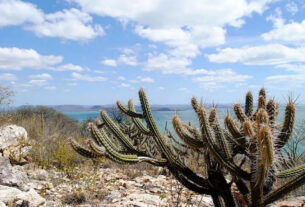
{"points": [[10, 194], [11, 135], [11, 176]]}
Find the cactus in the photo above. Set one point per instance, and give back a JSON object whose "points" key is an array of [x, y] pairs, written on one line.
{"points": [[248, 149]]}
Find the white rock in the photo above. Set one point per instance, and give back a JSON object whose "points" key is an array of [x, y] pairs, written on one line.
{"points": [[11, 176], [9, 194], [11, 134]]}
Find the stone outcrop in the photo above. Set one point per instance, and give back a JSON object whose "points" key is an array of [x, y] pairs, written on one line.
{"points": [[13, 144]]}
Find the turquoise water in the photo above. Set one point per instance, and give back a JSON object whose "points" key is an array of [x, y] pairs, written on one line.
{"points": [[161, 117]]}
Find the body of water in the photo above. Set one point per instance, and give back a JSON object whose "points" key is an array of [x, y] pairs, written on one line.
{"points": [[161, 117]]}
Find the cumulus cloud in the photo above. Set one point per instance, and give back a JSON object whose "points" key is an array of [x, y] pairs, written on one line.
{"points": [[67, 67], [184, 26], [19, 59], [43, 76], [81, 77], [271, 54], [125, 85], [292, 7], [214, 79], [294, 78], [121, 78], [15, 12], [70, 24], [122, 59], [8, 77], [38, 82], [168, 64], [146, 79], [291, 32], [109, 62]]}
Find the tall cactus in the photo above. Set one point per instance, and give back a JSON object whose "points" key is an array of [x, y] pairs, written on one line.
{"points": [[248, 149]]}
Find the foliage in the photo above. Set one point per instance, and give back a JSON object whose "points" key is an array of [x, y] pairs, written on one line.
{"points": [[248, 150], [48, 131]]}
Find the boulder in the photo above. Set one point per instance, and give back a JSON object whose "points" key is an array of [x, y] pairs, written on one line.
{"points": [[13, 144], [11, 176], [14, 195], [12, 135]]}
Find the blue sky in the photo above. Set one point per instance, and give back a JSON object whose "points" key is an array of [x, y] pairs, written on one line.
{"points": [[96, 51]]}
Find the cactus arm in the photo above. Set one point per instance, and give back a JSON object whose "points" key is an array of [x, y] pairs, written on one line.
{"points": [[261, 102], [262, 92], [184, 134], [195, 103], [81, 150], [170, 135], [271, 109], [207, 134], [291, 172], [117, 132], [233, 129], [237, 148], [97, 149], [159, 139], [265, 146], [285, 189], [128, 112], [221, 139], [249, 104], [124, 158], [239, 112], [98, 139], [137, 121], [287, 125]]}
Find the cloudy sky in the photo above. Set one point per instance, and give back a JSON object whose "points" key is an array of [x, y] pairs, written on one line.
{"points": [[99, 51]]}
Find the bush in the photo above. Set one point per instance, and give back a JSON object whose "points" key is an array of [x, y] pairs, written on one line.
{"points": [[48, 132]]}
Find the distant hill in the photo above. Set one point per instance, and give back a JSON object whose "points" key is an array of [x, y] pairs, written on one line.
{"points": [[85, 108]]}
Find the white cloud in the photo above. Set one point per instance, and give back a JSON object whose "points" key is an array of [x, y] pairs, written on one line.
{"points": [[50, 88], [291, 32], [122, 59], [170, 65], [161, 88], [109, 62], [128, 60], [18, 59], [43, 76], [70, 24], [67, 67], [125, 85], [14, 12], [184, 26], [175, 13], [78, 76], [271, 54], [216, 78], [146, 79], [38, 82], [295, 77], [8, 77], [292, 7], [121, 78]]}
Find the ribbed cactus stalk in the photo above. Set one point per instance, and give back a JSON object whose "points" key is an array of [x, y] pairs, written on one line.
{"points": [[248, 149]]}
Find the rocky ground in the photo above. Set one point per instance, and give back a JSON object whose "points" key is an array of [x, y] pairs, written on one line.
{"points": [[27, 185]]}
